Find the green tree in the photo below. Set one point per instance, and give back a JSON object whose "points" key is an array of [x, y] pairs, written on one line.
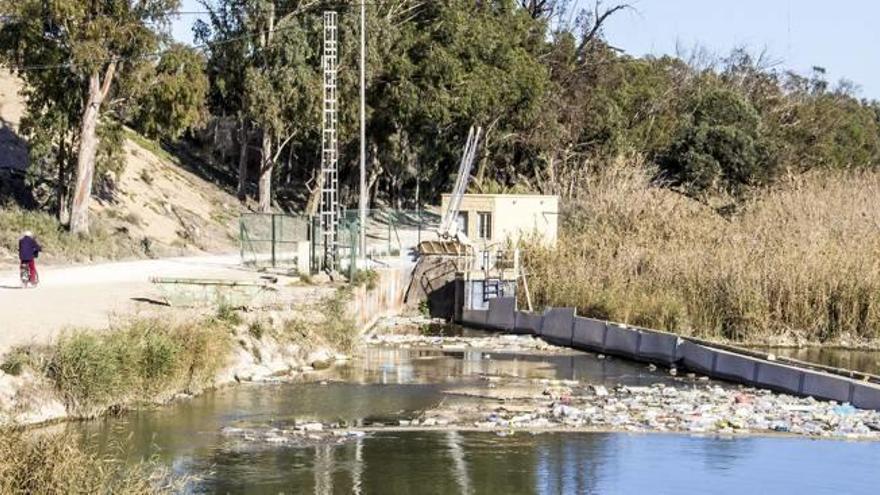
{"points": [[722, 148], [170, 97], [93, 42]]}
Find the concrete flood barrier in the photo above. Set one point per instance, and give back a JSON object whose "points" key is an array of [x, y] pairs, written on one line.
{"points": [[562, 326]]}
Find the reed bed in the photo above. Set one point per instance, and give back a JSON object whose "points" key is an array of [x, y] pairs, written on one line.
{"points": [[796, 263]]}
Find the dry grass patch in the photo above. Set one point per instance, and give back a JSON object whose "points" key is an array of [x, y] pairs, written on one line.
{"points": [[41, 464]]}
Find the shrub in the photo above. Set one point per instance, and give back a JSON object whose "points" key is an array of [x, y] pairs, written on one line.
{"points": [[339, 328], [334, 325], [228, 314], [722, 149], [15, 361], [367, 278], [256, 329]]}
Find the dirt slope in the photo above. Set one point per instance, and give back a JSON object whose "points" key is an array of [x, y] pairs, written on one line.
{"points": [[157, 204]]}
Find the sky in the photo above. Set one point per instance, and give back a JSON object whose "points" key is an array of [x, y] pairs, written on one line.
{"points": [[798, 34]]}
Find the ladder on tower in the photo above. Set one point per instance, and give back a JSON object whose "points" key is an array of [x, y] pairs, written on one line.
{"points": [[329, 148]]}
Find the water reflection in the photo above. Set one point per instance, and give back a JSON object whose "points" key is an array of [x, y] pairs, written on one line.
{"points": [[442, 462], [389, 384], [865, 361], [387, 365]]}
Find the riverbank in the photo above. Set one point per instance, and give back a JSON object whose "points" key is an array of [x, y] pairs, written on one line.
{"points": [[161, 359]]}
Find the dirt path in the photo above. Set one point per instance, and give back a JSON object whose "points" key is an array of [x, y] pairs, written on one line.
{"points": [[92, 295]]}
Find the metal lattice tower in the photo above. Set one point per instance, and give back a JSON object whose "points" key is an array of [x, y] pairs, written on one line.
{"points": [[329, 156]]}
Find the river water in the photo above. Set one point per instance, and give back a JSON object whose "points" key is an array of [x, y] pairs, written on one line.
{"points": [[859, 360], [386, 384]]}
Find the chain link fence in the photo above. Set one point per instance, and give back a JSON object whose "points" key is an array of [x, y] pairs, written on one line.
{"points": [[296, 242], [275, 240]]}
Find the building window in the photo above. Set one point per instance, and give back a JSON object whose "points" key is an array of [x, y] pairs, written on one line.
{"points": [[462, 222], [484, 225]]}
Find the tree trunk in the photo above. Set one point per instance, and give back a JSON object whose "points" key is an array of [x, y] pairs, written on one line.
{"points": [[85, 163], [266, 174], [62, 205], [243, 160], [267, 161], [88, 150]]}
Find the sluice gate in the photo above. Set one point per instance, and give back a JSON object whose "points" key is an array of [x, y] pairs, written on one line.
{"points": [[562, 326]]}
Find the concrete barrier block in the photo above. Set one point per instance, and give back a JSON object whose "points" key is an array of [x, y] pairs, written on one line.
{"points": [[622, 340], [866, 396], [828, 387], [502, 313], [659, 347], [779, 377], [697, 358], [558, 325], [475, 317], [735, 367], [527, 323], [589, 334]]}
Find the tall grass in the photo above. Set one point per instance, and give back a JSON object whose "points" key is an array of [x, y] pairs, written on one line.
{"points": [[144, 361], [56, 463], [799, 262]]}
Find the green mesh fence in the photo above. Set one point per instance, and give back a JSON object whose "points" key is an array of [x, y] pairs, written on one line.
{"points": [[274, 240], [391, 233]]}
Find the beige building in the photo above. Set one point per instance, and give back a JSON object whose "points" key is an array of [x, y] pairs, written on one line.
{"points": [[495, 218]]}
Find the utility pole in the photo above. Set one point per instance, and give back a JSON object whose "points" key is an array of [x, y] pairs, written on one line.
{"points": [[362, 204]]}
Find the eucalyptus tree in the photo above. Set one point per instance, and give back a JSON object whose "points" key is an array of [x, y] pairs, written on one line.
{"points": [[92, 43]]}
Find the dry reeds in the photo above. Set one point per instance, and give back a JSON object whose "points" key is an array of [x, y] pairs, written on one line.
{"points": [[799, 262], [41, 464]]}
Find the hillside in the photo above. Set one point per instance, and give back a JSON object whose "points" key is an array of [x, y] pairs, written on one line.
{"points": [[158, 207]]}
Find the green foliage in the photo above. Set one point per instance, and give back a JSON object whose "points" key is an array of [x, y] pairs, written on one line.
{"points": [[556, 103], [368, 278], [15, 361], [722, 149], [228, 314], [91, 53], [339, 328], [257, 329], [425, 308], [143, 361], [171, 96]]}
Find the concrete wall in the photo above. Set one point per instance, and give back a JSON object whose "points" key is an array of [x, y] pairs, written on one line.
{"points": [[521, 216], [386, 299], [562, 326]]}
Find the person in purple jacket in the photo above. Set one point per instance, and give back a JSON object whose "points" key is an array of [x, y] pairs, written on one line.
{"points": [[28, 251]]}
